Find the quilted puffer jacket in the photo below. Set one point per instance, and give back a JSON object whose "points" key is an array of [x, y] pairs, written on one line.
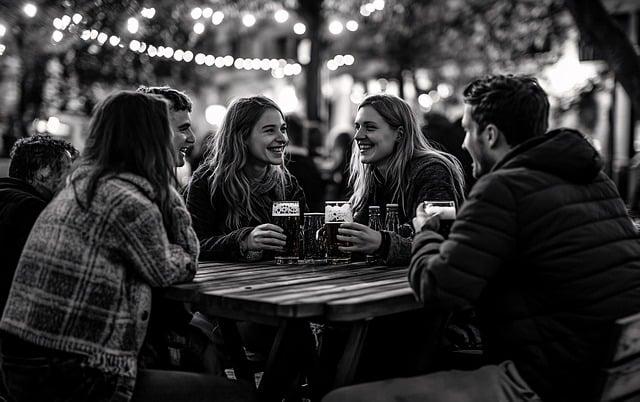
{"points": [[545, 250]]}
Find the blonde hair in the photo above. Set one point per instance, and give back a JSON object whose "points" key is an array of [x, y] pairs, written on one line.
{"points": [[398, 114], [228, 155]]}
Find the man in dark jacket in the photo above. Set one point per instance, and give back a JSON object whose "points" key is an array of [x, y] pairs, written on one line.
{"points": [[543, 248], [38, 166]]}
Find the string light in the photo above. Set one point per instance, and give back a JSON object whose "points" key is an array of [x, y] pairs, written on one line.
{"points": [[198, 28], [249, 20], [299, 28], [3, 30], [57, 36], [281, 16], [132, 25], [279, 67], [340, 60], [196, 13], [335, 27], [30, 10], [147, 13], [217, 17]]}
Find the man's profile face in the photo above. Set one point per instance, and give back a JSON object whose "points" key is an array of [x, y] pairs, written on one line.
{"points": [[183, 138], [475, 143]]}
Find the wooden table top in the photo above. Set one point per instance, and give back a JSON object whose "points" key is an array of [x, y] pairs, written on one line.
{"points": [[264, 292]]}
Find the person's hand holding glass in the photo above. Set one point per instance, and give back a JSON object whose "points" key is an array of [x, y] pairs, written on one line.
{"points": [[435, 215], [361, 238]]}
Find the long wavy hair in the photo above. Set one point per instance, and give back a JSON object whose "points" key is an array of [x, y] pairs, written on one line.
{"points": [[129, 132], [397, 114], [228, 155]]}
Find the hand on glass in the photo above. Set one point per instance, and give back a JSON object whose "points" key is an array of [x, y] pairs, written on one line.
{"points": [[266, 237], [425, 220], [360, 237]]}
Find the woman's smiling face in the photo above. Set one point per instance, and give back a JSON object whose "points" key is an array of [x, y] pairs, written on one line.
{"points": [[268, 139], [375, 138]]}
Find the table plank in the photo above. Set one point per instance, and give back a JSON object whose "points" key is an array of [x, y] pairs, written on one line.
{"points": [[337, 292]]}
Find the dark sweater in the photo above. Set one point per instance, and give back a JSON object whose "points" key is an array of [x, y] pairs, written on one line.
{"points": [[429, 180], [20, 205], [217, 240], [545, 249]]}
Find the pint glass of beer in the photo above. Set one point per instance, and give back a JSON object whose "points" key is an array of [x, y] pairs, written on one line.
{"points": [[335, 213], [286, 214], [447, 212]]}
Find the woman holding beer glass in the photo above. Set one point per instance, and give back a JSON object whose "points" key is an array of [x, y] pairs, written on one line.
{"points": [[80, 301], [392, 162], [231, 194]]}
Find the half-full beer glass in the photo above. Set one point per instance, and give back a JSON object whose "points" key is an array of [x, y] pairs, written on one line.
{"points": [[286, 214], [447, 212], [335, 213]]}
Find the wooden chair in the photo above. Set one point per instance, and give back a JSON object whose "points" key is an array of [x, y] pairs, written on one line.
{"points": [[620, 377]]}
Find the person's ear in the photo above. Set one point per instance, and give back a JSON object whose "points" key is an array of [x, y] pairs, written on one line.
{"points": [[494, 135], [400, 133]]}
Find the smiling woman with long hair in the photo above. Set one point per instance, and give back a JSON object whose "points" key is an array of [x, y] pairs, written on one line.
{"points": [[392, 162], [80, 300], [231, 194]]}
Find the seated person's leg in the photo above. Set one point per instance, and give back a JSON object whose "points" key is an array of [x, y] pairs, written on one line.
{"points": [[176, 386], [500, 383]]}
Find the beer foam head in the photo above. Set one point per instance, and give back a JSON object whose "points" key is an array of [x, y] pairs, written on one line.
{"points": [[286, 208], [338, 213]]}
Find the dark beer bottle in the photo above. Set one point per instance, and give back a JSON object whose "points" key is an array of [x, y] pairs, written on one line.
{"points": [[376, 224], [391, 220]]}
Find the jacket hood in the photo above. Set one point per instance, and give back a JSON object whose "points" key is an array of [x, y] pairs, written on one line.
{"points": [[562, 152]]}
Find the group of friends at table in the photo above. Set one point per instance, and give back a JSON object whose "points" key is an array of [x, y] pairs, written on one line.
{"points": [[542, 248]]}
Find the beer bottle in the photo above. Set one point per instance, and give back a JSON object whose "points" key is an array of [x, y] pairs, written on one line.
{"points": [[391, 220], [375, 224]]}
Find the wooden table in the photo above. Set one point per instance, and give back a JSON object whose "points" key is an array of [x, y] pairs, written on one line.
{"points": [[289, 296]]}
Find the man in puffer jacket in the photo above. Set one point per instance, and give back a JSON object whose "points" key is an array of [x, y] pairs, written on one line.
{"points": [[543, 248]]}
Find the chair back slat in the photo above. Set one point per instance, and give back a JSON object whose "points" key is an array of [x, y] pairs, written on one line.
{"points": [[629, 339], [621, 376]]}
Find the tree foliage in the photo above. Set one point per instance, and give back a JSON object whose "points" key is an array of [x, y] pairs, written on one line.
{"points": [[457, 39]]}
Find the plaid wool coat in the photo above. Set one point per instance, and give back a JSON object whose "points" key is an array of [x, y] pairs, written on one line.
{"points": [[83, 282]]}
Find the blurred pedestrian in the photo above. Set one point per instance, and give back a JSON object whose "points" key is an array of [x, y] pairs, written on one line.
{"points": [[180, 107], [231, 194], [301, 165], [338, 165], [391, 162], [79, 304], [39, 166], [448, 137]]}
